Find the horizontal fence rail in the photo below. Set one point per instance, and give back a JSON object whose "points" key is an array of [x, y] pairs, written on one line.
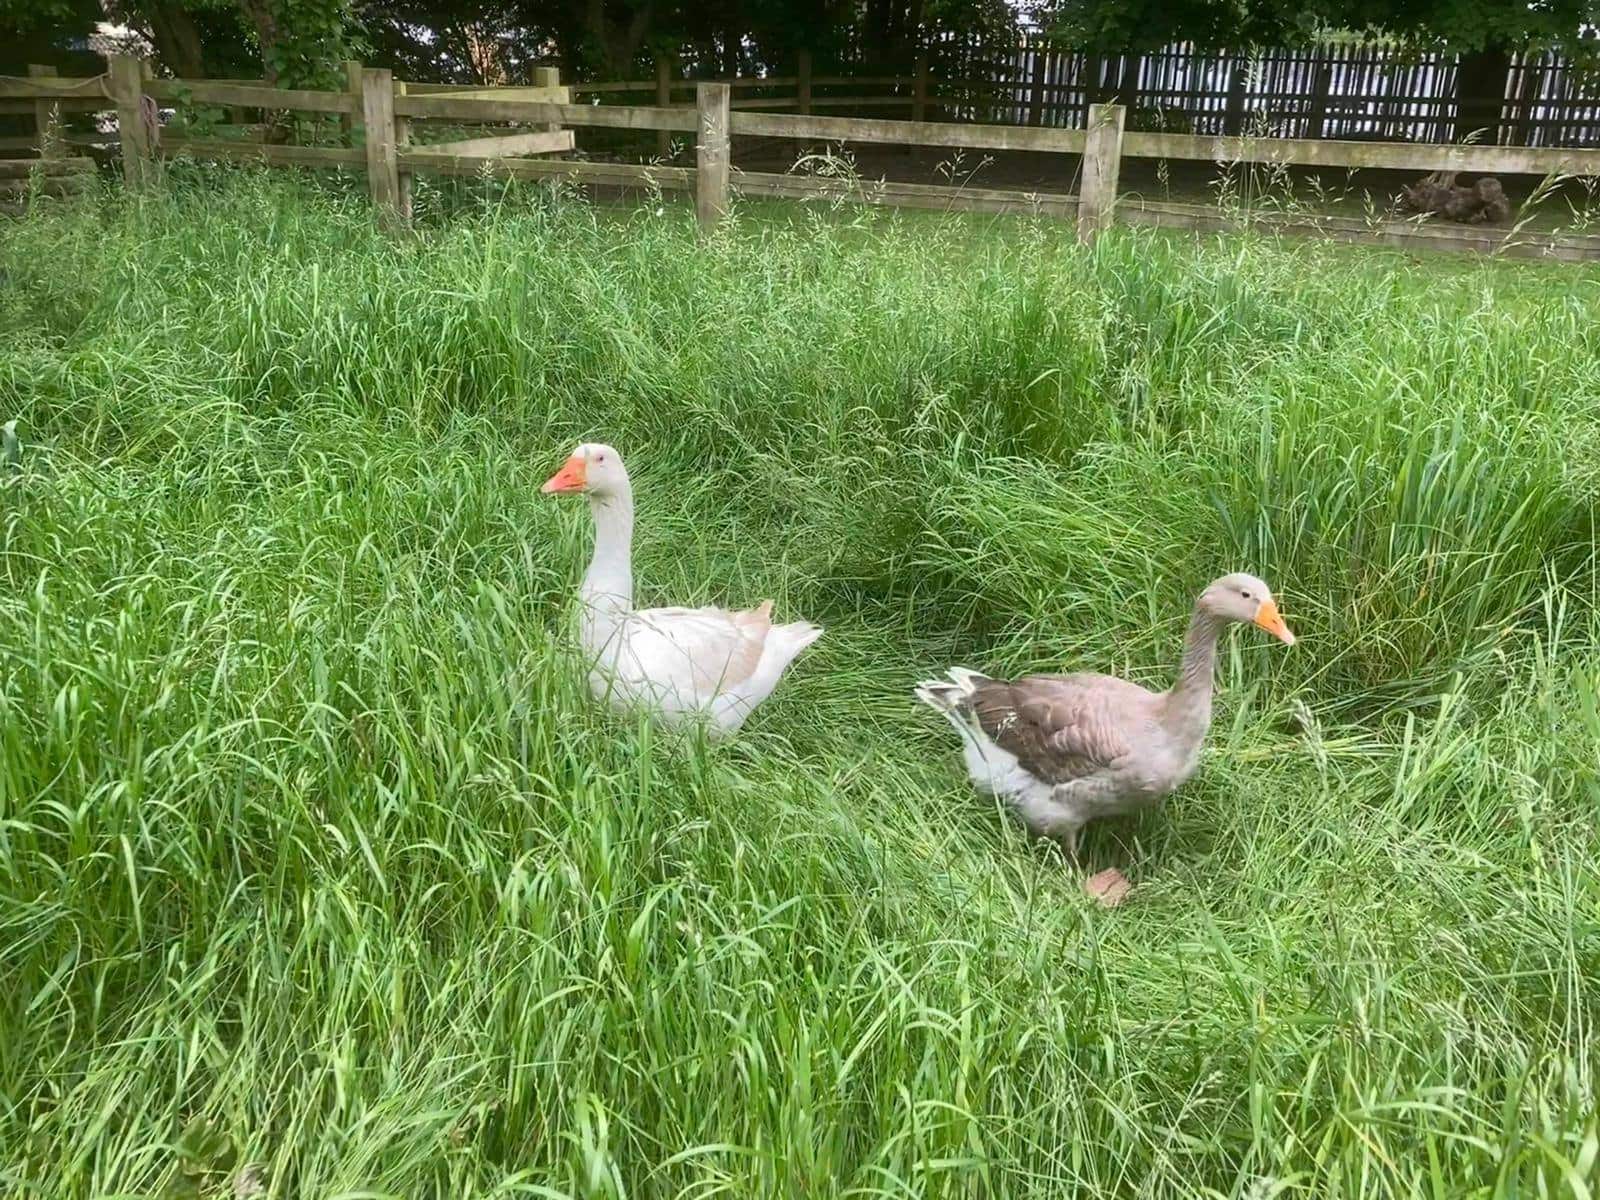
{"points": [[1504, 160], [910, 133], [596, 115], [256, 95], [373, 118]]}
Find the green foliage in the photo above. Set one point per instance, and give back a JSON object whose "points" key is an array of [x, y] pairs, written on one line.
{"points": [[42, 31], [1472, 25], [25, 16], [1469, 25], [310, 41], [322, 874]]}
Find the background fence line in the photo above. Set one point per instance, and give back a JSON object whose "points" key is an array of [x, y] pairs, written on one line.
{"points": [[1337, 91], [383, 112]]}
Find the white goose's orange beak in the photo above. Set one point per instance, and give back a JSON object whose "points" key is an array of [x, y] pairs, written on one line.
{"points": [[1267, 618], [573, 477]]}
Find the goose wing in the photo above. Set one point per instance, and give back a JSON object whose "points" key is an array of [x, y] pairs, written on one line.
{"points": [[1062, 728], [694, 653]]}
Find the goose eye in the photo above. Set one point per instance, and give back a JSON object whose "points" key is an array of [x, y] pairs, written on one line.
{"points": [[1246, 595]]}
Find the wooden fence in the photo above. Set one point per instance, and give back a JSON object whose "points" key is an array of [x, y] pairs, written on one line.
{"points": [[1330, 91], [383, 112]]}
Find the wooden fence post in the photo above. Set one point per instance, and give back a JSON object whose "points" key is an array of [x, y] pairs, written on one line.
{"points": [[1102, 163], [1527, 97], [402, 139], [1041, 62], [352, 84], [802, 85], [549, 77], [127, 90], [1233, 113], [1320, 92], [383, 169], [47, 116], [712, 154], [663, 100], [919, 88], [1128, 82]]}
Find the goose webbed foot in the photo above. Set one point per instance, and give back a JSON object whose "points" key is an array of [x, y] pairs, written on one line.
{"points": [[1109, 887]]}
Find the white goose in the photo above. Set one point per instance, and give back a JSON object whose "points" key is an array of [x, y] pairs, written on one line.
{"points": [[684, 663]]}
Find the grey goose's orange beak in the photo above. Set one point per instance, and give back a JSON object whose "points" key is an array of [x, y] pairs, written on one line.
{"points": [[1268, 618]]}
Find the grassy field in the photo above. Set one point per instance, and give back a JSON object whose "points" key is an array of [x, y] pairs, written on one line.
{"points": [[318, 871]]}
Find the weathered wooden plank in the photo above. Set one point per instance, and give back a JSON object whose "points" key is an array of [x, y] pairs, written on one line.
{"points": [[645, 85], [403, 178], [46, 115], [550, 78], [94, 90], [663, 100], [915, 133], [868, 101], [603, 115], [614, 174], [542, 142], [23, 108], [1036, 77], [526, 95], [283, 156], [247, 95], [613, 85], [383, 168], [1102, 165], [352, 88], [849, 80], [49, 185], [127, 81], [1409, 235], [440, 89], [22, 168], [824, 102], [1399, 156], [909, 195], [713, 154]]}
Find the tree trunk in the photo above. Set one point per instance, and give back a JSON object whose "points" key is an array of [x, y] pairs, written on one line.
{"points": [[914, 38], [618, 36], [264, 20], [1480, 94], [176, 39], [876, 33]]}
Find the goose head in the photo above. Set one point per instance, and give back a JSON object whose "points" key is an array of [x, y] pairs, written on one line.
{"points": [[593, 469], [1244, 598]]}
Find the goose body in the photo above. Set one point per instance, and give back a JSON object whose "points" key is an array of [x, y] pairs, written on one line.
{"points": [[710, 664], [1064, 750]]}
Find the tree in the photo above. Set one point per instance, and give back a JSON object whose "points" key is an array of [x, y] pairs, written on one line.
{"points": [[192, 39], [1483, 33], [455, 41], [296, 42], [41, 31]]}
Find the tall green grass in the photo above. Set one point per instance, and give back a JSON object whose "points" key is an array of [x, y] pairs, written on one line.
{"points": [[314, 856]]}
